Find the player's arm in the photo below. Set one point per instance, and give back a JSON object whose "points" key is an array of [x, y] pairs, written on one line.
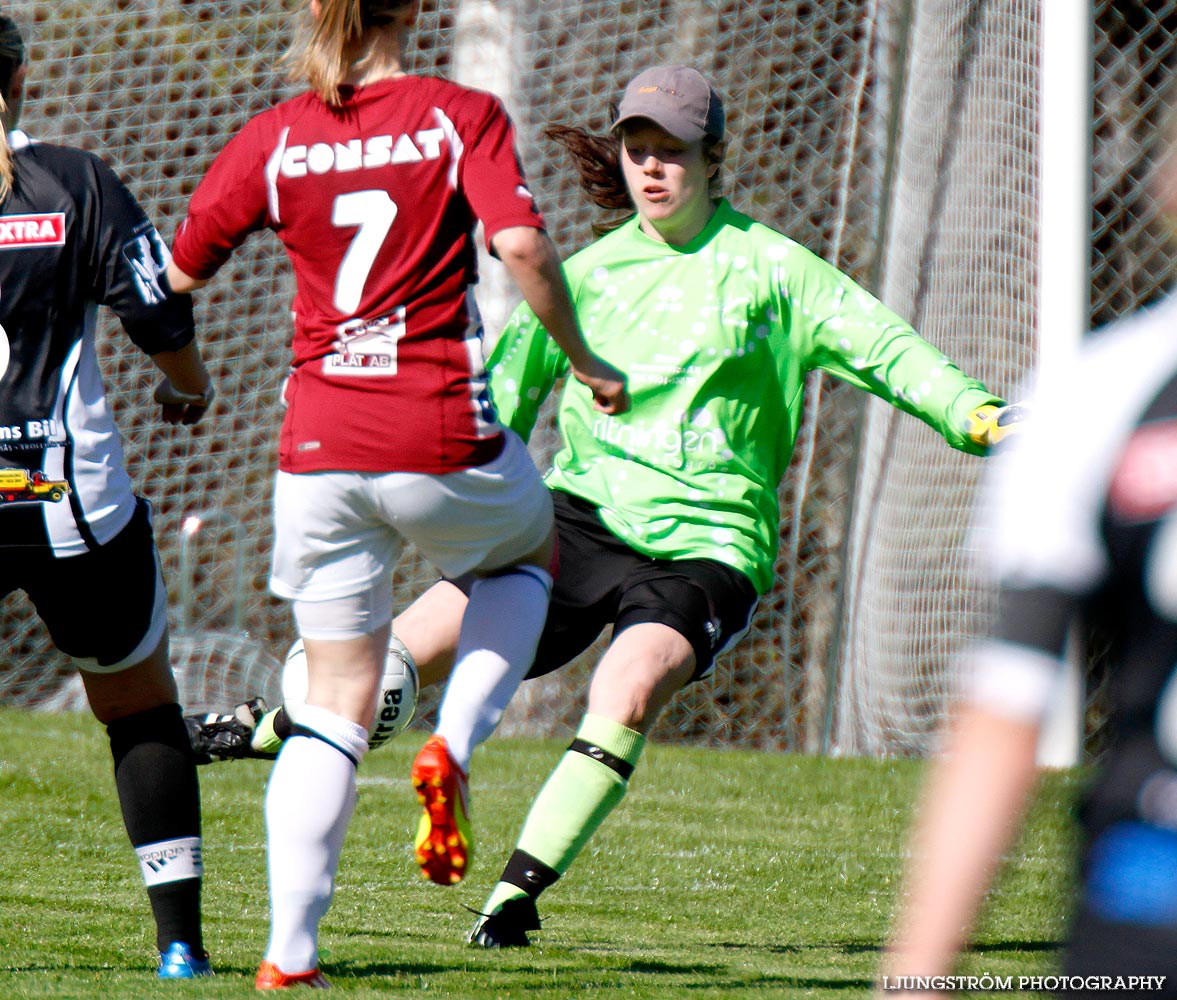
{"points": [[493, 181], [186, 391], [524, 367], [856, 338], [972, 802], [232, 200], [183, 283], [531, 259], [977, 790], [131, 281]]}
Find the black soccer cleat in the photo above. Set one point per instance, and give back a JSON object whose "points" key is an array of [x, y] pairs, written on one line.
{"points": [[507, 927], [226, 737]]}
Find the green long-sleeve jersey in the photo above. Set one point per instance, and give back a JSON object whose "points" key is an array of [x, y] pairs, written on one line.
{"points": [[716, 337]]}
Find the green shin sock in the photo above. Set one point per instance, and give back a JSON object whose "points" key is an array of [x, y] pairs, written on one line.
{"points": [[587, 784]]}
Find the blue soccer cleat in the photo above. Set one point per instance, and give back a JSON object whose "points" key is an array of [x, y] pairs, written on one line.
{"points": [[179, 962]]}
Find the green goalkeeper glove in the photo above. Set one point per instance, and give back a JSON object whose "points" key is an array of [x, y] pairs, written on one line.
{"points": [[991, 425]]}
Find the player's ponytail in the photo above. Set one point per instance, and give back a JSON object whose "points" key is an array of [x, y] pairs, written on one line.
{"points": [[12, 57], [325, 55], [597, 159]]}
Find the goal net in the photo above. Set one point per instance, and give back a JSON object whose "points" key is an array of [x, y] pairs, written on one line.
{"points": [[960, 261], [894, 139]]}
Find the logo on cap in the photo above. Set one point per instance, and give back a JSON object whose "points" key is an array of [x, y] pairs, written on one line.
{"points": [[676, 98]]}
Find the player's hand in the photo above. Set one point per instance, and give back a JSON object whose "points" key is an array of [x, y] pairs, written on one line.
{"points": [[182, 407], [607, 383], [990, 426]]}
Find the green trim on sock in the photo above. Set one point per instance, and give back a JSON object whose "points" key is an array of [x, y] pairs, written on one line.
{"points": [[612, 736], [264, 738]]}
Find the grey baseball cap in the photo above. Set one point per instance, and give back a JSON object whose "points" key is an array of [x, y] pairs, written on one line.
{"points": [[677, 98]]}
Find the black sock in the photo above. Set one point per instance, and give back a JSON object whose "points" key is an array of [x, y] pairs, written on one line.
{"points": [[283, 724], [528, 873], [160, 797]]}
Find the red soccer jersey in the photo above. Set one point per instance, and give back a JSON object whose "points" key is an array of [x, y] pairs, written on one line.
{"points": [[376, 203]]}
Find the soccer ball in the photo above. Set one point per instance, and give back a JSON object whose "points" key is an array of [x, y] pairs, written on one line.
{"points": [[395, 702]]}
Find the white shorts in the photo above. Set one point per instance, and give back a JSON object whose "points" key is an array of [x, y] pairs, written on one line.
{"points": [[337, 534]]}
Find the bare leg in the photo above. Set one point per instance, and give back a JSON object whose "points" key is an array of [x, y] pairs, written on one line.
{"points": [[644, 667], [344, 674], [145, 685], [429, 627]]}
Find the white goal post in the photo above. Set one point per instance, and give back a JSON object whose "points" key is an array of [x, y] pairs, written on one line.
{"points": [[1064, 271]]}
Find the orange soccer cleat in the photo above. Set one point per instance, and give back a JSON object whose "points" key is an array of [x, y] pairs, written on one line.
{"points": [[444, 845], [270, 977]]}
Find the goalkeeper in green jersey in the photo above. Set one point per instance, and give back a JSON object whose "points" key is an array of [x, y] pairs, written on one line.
{"points": [[667, 516]]}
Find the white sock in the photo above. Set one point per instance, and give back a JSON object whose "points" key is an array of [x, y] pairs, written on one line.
{"points": [[500, 632], [309, 802]]}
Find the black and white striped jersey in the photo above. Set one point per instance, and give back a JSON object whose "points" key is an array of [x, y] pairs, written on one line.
{"points": [[72, 238], [1081, 525], [1057, 504]]}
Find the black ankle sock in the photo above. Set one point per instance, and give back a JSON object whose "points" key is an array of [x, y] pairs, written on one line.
{"points": [[283, 724], [528, 873]]}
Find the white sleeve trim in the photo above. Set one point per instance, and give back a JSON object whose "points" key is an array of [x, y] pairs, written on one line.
{"points": [[1012, 680]]}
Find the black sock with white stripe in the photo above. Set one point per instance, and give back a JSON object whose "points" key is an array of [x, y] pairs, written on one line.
{"points": [[160, 798]]}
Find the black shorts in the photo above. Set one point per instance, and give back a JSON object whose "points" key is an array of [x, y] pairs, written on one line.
{"points": [[99, 605], [1101, 948], [601, 580]]}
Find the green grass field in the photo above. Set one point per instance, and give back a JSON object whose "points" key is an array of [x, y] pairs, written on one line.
{"points": [[724, 874]]}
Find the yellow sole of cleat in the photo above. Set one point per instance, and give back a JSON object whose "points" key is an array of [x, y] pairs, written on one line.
{"points": [[441, 850]]}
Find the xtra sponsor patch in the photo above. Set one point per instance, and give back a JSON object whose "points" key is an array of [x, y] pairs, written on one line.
{"points": [[20, 232]]}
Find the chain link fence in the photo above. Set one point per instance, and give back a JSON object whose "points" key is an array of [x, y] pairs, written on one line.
{"points": [[895, 139]]}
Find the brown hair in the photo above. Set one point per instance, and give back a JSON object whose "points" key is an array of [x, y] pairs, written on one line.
{"points": [[324, 54], [12, 57], [597, 159]]}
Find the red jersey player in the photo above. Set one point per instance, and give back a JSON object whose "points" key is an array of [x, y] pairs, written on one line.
{"points": [[374, 180]]}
